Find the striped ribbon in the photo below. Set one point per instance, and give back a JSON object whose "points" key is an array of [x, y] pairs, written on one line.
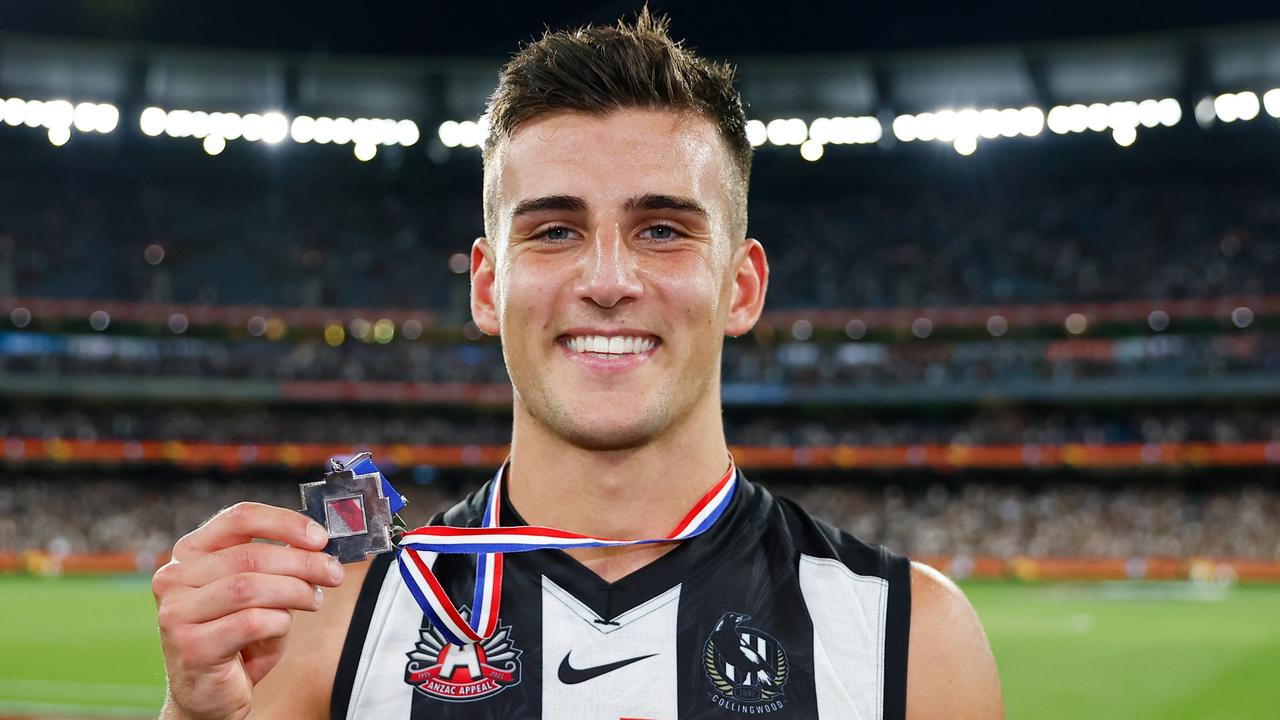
{"points": [[418, 548]]}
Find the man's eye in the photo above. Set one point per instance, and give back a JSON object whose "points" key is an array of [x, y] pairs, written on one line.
{"points": [[557, 234], [661, 232]]}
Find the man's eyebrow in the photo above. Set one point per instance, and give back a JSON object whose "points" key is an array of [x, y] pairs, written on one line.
{"points": [[665, 202], [570, 203]]}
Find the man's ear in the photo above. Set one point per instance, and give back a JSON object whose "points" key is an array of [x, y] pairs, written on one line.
{"points": [[483, 273], [750, 281]]}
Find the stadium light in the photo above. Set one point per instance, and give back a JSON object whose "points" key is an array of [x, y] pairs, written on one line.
{"points": [[787, 131], [229, 125], [342, 130], [275, 127], [756, 133], [1205, 113], [34, 116], [251, 127], [1122, 118], [152, 122], [1271, 101], [214, 144], [1230, 107], [962, 128], [60, 117], [216, 129], [450, 137], [406, 133], [303, 129], [811, 150], [14, 112]]}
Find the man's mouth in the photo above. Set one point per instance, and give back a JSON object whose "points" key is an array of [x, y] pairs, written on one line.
{"points": [[609, 345]]}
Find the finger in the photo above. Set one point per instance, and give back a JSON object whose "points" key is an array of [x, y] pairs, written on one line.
{"points": [[314, 567], [247, 521], [228, 595], [225, 637]]}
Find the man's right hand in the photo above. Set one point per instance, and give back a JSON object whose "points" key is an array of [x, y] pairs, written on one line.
{"points": [[223, 604]]}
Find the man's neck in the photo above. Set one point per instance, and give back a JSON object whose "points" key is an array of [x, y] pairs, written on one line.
{"points": [[640, 492]]}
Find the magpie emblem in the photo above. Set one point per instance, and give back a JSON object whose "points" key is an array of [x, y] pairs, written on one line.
{"points": [[746, 667]]}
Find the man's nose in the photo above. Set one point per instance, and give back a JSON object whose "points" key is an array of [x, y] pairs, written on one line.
{"points": [[609, 270]]}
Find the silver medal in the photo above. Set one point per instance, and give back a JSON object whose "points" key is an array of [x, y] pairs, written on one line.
{"points": [[353, 509]]}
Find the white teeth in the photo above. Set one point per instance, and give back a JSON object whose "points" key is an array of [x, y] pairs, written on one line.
{"points": [[615, 345]]}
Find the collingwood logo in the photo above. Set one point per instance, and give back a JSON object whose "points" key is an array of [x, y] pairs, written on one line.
{"points": [[459, 673], [747, 668]]}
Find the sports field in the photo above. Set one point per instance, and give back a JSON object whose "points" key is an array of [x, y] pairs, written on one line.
{"points": [[87, 647]]}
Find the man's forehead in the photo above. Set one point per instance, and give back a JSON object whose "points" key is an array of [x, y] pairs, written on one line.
{"points": [[612, 158]]}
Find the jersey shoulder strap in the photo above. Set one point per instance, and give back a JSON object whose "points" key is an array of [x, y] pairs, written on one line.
{"points": [[837, 565]]}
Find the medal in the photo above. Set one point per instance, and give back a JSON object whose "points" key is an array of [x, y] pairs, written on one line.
{"points": [[488, 542], [357, 506]]}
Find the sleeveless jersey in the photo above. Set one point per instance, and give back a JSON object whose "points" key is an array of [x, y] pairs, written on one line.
{"points": [[770, 613]]}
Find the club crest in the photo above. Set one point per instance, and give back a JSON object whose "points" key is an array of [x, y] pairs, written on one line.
{"points": [[746, 667], [461, 673]]}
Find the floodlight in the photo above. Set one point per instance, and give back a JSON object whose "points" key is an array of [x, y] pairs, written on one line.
{"points": [[406, 133], [251, 127], [811, 150], [904, 128], [59, 135], [449, 134], [303, 129], [214, 144], [275, 127], [1271, 101]]}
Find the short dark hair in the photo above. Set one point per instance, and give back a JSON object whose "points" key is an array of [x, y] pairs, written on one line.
{"points": [[599, 69]]}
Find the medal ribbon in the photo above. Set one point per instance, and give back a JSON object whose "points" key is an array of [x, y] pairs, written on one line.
{"points": [[490, 541]]}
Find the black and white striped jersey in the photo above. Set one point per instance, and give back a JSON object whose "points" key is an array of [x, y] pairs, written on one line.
{"points": [[769, 613]]}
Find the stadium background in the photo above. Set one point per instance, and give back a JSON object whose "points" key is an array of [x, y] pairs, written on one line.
{"points": [[1022, 323]]}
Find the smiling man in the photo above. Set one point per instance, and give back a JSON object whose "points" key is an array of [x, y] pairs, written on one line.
{"points": [[615, 262]]}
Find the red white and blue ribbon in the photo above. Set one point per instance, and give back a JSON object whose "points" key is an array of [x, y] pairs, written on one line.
{"points": [[418, 548]]}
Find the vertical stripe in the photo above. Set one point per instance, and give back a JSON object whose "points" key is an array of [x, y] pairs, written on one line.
{"points": [[379, 689], [642, 689], [848, 613]]}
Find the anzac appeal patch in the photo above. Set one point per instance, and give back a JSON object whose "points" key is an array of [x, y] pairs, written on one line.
{"points": [[458, 673]]}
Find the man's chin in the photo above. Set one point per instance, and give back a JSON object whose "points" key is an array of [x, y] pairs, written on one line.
{"points": [[606, 437], [597, 426]]}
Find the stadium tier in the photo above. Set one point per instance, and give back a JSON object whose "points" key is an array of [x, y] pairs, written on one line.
{"points": [[829, 247]]}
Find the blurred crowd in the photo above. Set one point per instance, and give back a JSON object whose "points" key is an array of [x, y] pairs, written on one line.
{"points": [[976, 519], [847, 363], [829, 246], [1061, 519], [359, 425]]}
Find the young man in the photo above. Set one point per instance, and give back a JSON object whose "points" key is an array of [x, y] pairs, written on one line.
{"points": [[614, 263]]}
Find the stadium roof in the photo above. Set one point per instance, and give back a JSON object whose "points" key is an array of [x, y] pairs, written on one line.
{"points": [[717, 27]]}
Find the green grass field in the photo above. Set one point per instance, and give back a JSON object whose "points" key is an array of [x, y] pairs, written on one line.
{"points": [[87, 647]]}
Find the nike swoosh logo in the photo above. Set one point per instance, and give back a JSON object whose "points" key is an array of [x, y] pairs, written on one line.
{"points": [[570, 675]]}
